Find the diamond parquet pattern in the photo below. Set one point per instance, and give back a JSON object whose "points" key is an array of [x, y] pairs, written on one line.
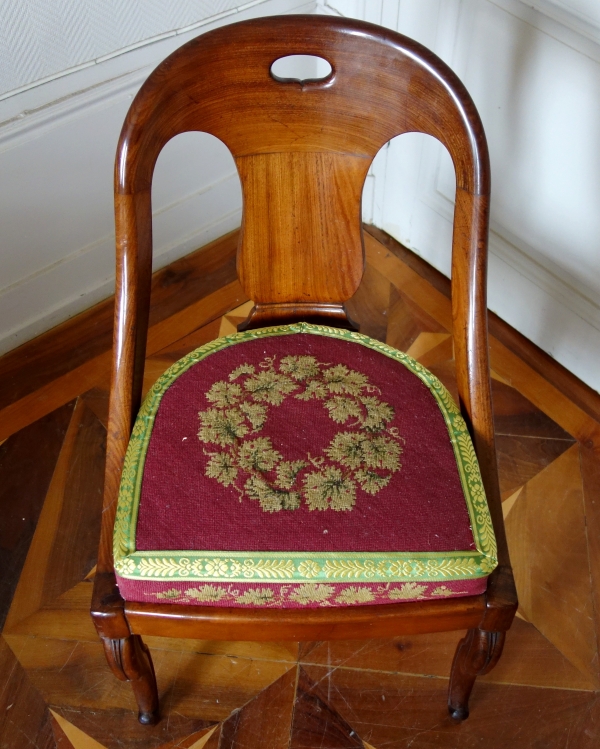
{"points": [[57, 691]]}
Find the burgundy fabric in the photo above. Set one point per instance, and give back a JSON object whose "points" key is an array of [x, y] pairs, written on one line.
{"points": [[282, 595], [421, 509]]}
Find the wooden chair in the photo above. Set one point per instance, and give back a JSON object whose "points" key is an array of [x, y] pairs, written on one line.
{"points": [[302, 151]]}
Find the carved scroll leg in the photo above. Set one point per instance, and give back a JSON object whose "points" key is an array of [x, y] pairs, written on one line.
{"points": [[476, 654], [129, 660]]}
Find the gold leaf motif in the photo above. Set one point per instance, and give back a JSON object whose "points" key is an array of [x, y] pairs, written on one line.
{"points": [[258, 597], [329, 488], [370, 481], [288, 471], [312, 593], [270, 387], [258, 455], [341, 409], [354, 595], [269, 568], [349, 568], [222, 468], [300, 367], [239, 371], [222, 427], [207, 593], [407, 591], [222, 394], [170, 594], [163, 567]]}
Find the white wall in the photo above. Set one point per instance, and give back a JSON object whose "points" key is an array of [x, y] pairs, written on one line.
{"points": [[534, 73], [66, 83]]}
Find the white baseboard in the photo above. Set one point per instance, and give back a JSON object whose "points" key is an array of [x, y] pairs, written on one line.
{"points": [[58, 292], [553, 311]]}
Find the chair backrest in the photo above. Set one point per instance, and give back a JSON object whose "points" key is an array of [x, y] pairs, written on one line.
{"points": [[302, 151]]}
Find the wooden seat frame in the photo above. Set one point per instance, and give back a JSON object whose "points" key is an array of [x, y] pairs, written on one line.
{"points": [[302, 150]]}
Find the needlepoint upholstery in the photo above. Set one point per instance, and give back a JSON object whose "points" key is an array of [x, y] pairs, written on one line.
{"points": [[300, 466]]}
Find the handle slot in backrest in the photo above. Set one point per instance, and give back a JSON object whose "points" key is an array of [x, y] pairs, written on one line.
{"points": [[301, 69]]}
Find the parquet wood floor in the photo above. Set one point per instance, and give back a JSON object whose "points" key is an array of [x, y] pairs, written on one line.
{"points": [[55, 687]]}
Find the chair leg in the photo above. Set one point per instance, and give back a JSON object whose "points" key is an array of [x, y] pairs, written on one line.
{"points": [[130, 660], [476, 654]]}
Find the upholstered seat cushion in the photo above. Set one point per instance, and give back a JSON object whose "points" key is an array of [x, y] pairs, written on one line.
{"points": [[300, 466]]}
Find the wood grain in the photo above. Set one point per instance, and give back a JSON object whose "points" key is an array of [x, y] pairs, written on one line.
{"points": [[266, 720], [547, 535], [302, 153], [396, 710], [27, 462]]}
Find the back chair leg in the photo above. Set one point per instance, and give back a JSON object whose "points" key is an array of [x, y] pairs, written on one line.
{"points": [[476, 654], [130, 660]]}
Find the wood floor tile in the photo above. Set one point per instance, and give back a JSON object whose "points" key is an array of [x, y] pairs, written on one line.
{"points": [[96, 400], [119, 729], [529, 659], [210, 687], [74, 679], [214, 741], [78, 739], [406, 320], [316, 725], [508, 501], [29, 595], [201, 739], [23, 713], [369, 306], [27, 461], [515, 415], [63, 547], [428, 342], [78, 532], [547, 540], [230, 321], [396, 711], [266, 721], [60, 737], [522, 458], [590, 475], [176, 350], [195, 316], [409, 283], [544, 395], [94, 372]]}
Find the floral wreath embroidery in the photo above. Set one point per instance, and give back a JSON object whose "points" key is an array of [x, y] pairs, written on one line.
{"points": [[365, 454]]}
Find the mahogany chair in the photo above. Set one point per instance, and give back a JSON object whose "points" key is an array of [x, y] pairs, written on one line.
{"points": [[302, 150]]}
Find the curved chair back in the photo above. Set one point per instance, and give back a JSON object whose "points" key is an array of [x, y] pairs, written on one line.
{"points": [[302, 151]]}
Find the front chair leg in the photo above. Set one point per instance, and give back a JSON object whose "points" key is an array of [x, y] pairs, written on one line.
{"points": [[476, 654], [129, 660]]}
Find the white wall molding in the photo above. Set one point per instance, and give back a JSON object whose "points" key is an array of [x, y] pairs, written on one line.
{"points": [[526, 260], [17, 130], [57, 146], [560, 21], [79, 22]]}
